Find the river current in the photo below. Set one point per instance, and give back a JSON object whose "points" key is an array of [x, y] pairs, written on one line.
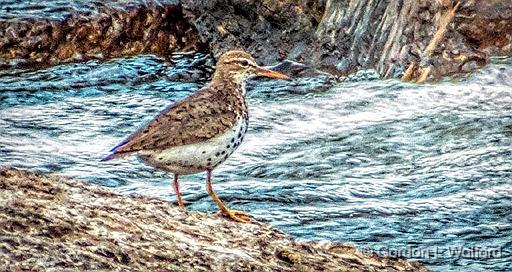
{"points": [[400, 169]]}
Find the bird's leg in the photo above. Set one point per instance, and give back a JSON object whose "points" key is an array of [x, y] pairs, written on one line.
{"points": [[234, 215], [177, 191]]}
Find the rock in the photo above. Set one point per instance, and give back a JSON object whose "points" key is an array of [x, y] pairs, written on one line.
{"points": [[343, 37], [55, 223], [487, 26], [35, 35], [339, 37]]}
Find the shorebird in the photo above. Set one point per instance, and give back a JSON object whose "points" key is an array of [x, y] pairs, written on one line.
{"points": [[201, 131]]}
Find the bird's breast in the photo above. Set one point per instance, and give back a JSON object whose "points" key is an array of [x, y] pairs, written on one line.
{"points": [[198, 157]]}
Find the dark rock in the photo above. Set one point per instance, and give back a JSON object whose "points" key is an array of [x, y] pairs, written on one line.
{"points": [[54, 223], [338, 37], [341, 37], [62, 31]]}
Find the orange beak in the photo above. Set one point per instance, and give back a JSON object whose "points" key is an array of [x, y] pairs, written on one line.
{"points": [[269, 73]]}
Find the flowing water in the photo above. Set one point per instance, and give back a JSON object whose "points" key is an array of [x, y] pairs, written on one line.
{"points": [[400, 169]]}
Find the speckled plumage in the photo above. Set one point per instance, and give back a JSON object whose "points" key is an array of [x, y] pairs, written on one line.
{"points": [[204, 115], [208, 113], [200, 156], [199, 132]]}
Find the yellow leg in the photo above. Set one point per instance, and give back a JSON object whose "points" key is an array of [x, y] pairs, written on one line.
{"points": [[177, 191], [234, 215]]}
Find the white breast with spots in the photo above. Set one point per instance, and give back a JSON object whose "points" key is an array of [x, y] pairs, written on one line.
{"points": [[195, 158]]}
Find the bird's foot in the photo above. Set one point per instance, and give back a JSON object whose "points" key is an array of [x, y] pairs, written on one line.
{"points": [[181, 206], [237, 216]]}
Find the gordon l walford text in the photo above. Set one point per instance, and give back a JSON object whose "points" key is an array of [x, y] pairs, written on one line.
{"points": [[457, 251]]}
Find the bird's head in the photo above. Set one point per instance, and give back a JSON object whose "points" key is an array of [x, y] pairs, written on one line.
{"points": [[238, 65]]}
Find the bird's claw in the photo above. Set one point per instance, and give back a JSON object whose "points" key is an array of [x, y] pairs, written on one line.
{"points": [[237, 216]]}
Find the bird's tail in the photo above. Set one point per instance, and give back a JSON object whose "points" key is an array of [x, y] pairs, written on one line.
{"points": [[116, 153], [114, 156]]}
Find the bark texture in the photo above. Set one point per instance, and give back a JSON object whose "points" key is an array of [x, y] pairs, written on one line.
{"points": [[343, 36]]}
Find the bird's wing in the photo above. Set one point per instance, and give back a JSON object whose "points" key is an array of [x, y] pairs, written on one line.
{"points": [[192, 120]]}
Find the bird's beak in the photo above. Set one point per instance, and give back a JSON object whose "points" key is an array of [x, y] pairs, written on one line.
{"points": [[269, 73]]}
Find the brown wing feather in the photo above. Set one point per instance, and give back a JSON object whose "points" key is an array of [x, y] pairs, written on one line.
{"points": [[197, 118]]}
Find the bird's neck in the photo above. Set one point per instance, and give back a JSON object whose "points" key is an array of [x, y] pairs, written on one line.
{"points": [[229, 85], [232, 93], [229, 76]]}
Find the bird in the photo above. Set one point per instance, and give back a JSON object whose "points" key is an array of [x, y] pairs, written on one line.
{"points": [[200, 132]]}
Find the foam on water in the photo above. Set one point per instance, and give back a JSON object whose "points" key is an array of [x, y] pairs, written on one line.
{"points": [[379, 163]]}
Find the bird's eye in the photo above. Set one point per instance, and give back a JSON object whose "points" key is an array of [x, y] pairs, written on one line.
{"points": [[244, 63]]}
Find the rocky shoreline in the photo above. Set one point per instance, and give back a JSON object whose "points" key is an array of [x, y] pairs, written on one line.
{"points": [[77, 31], [49, 222], [338, 37]]}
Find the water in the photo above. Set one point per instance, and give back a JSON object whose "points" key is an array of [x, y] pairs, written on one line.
{"points": [[389, 166]]}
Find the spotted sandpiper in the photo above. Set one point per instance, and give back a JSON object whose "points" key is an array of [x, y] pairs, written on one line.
{"points": [[201, 131]]}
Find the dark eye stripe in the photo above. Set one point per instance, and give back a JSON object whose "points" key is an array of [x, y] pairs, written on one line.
{"points": [[241, 61]]}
